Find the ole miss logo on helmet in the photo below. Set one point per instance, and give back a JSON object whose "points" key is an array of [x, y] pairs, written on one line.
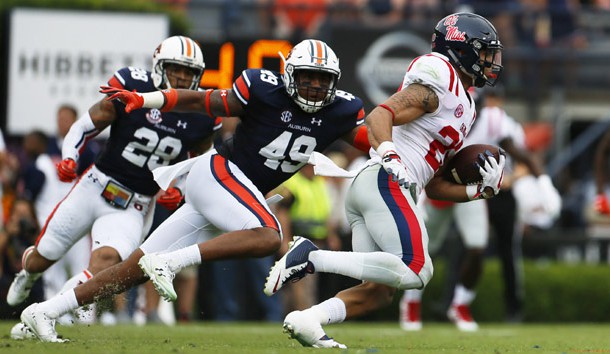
{"points": [[453, 32]]}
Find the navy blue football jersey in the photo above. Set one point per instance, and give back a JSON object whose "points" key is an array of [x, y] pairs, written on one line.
{"points": [[275, 137], [145, 139]]}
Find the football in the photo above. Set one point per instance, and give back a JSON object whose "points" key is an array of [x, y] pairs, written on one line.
{"points": [[462, 168]]}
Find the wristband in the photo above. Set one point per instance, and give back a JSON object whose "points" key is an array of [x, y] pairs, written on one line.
{"points": [[223, 95], [153, 99], [171, 98], [473, 191], [385, 147], [208, 93], [389, 110]]}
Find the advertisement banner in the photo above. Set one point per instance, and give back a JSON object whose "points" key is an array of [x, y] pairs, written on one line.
{"points": [[61, 57], [373, 66]]}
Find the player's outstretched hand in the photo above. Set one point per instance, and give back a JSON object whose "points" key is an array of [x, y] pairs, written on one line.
{"points": [[132, 100], [170, 199], [66, 170], [492, 172]]}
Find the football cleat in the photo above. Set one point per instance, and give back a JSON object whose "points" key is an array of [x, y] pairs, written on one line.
{"points": [[293, 266], [160, 275], [42, 324], [21, 287], [410, 315], [306, 330], [20, 332], [460, 315]]}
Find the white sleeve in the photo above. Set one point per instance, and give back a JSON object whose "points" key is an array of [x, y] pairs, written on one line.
{"points": [[430, 71], [80, 133]]}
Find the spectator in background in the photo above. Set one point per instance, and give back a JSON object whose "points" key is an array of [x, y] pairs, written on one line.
{"points": [[600, 171], [299, 19], [305, 211], [20, 231], [383, 13], [502, 130], [4, 178], [66, 116]]}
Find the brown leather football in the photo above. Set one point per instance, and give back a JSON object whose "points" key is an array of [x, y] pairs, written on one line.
{"points": [[463, 168]]}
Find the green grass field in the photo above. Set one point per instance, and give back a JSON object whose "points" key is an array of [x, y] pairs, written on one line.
{"points": [[370, 337]]}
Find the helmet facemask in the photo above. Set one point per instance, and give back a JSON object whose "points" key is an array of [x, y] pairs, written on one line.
{"points": [[177, 50], [484, 71], [304, 64], [166, 82]]}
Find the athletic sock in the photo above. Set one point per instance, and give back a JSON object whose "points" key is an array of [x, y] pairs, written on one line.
{"points": [[182, 258], [59, 304], [76, 280], [462, 295], [330, 311], [413, 295]]}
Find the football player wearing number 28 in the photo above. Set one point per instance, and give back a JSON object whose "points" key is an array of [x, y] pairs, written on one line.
{"points": [[412, 133], [114, 199], [284, 119]]}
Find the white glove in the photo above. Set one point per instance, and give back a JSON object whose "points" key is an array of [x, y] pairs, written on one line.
{"points": [[550, 196], [391, 163], [493, 173]]}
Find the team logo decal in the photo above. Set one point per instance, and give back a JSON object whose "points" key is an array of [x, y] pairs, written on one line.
{"points": [[286, 116], [154, 116], [453, 32], [459, 111], [316, 121]]}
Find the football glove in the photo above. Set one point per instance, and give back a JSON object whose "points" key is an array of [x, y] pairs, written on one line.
{"points": [[132, 100], [66, 170], [601, 204], [171, 198], [390, 160], [492, 172]]}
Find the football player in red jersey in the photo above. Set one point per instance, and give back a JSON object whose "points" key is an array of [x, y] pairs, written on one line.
{"points": [[114, 199], [284, 119]]}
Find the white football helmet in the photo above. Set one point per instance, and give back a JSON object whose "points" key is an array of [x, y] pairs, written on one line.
{"points": [[314, 55], [178, 50]]}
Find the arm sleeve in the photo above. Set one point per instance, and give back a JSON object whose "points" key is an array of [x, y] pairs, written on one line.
{"points": [[77, 138]]}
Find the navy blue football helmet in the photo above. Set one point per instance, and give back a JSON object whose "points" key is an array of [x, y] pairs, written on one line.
{"points": [[471, 43]]}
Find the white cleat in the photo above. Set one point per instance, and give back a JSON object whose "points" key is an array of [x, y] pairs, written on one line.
{"points": [[307, 331], [160, 275], [21, 287], [293, 266], [41, 324], [21, 332], [460, 315]]}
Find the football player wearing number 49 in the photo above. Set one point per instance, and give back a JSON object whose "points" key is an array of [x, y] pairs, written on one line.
{"points": [[285, 118], [412, 134], [114, 199]]}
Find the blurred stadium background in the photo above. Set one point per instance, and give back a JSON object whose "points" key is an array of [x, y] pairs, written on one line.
{"points": [[556, 79]]}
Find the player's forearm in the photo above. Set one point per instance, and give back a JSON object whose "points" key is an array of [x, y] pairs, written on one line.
{"points": [[174, 100], [379, 126]]}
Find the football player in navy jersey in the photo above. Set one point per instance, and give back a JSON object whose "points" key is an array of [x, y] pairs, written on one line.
{"points": [[284, 119], [113, 200]]}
